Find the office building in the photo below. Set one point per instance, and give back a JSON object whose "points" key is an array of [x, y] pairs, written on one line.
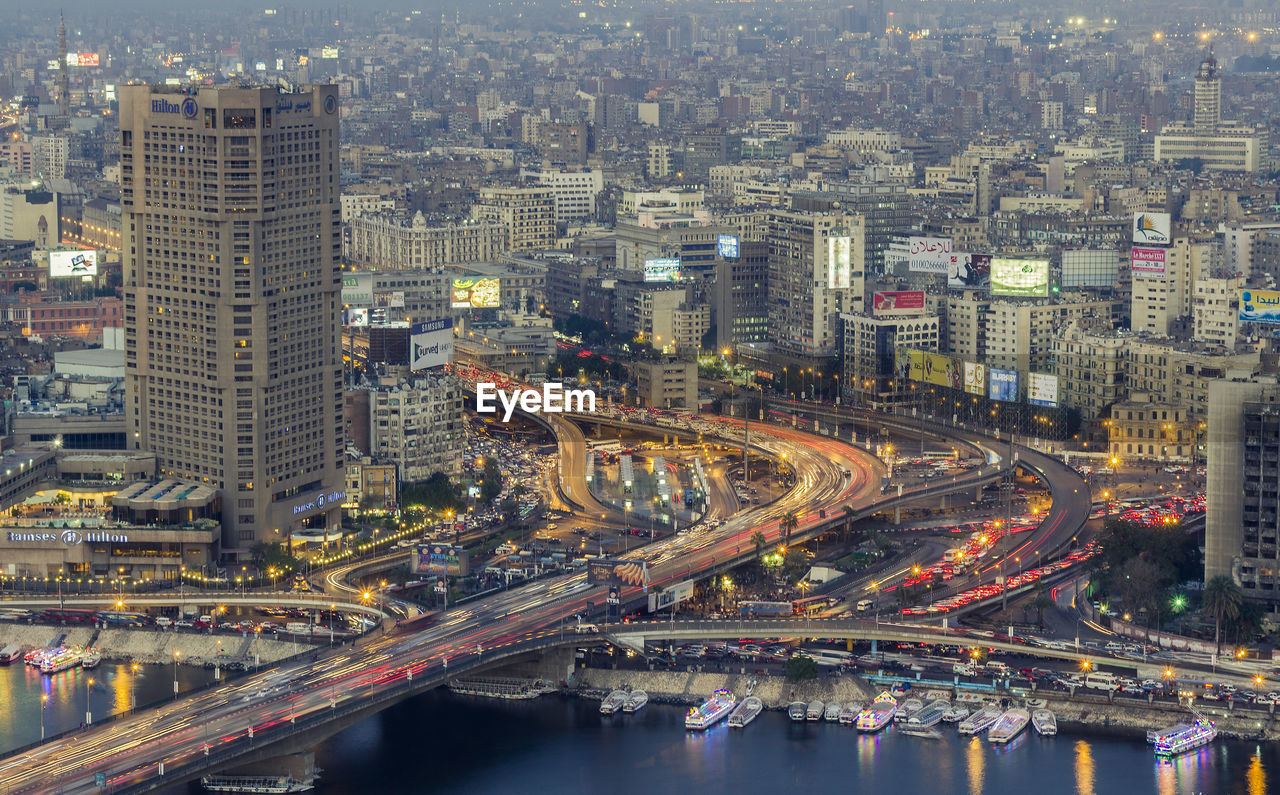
{"points": [[233, 375], [868, 370], [1217, 144], [667, 383], [417, 425], [573, 192]]}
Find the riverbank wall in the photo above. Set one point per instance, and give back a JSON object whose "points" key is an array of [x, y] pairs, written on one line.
{"points": [[1083, 712], [154, 646]]}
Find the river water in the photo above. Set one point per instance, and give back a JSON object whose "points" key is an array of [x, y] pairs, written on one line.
{"points": [[442, 743]]}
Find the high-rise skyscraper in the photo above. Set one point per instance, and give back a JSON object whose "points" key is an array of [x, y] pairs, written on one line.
{"points": [[1208, 107], [64, 93], [231, 254]]}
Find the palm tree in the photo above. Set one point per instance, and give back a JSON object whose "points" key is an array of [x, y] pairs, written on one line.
{"points": [[789, 523], [1222, 599], [1041, 602], [759, 540], [848, 520]]}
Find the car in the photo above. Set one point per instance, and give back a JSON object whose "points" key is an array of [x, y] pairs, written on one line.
{"points": [[183, 624]]}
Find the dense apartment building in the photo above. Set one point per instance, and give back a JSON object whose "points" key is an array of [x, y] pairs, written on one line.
{"points": [[528, 214], [816, 272]]}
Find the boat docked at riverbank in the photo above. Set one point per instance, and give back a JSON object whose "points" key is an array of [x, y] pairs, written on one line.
{"points": [[814, 710], [849, 712], [1044, 722], [635, 702], [269, 785], [930, 716], [747, 710], [906, 709], [832, 712], [796, 710], [613, 702], [1009, 725], [91, 659], [711, 711], [878, 714], [956, 714], [980, 721]]}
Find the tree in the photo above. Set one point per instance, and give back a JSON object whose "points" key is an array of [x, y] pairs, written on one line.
{"points": [[1142, 583], [848, 520], [491, 484], [789, 523], [801, 668], [436, 493], [1222, 600], [1041, 602], [759, 540]]}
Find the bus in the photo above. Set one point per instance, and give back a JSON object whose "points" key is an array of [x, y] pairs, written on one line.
{"points": [[800, 607], [70, 615], [765, 608], [827, 657], [120, 618]]}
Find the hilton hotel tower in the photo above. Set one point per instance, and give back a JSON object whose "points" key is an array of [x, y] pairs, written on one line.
{"points": [[232, 282]]}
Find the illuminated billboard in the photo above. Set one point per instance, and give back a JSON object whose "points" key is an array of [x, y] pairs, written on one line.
{"points": [[928, 254], [440, 559], [431, 343], [671, 596], [1152, 229], [969, 271], [1148, 262], [82, 59], [1042, 389], [663, 269], [475, 294], [1259, 306], [358, 317], [1003, 384], [839, 262], [607, 571], [63, 264], [975, 378], [937, 369], [727, 246], [890, 301], [1020, 277]]}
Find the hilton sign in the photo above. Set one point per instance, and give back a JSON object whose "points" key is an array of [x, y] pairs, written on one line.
{"points": [[69, 537], [320, 502]]}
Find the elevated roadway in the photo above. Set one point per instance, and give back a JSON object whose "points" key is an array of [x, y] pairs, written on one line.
{"points": [[128, 752]]}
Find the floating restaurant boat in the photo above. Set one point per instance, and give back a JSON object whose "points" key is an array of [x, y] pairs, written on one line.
{"points": [[747, 710], [256, 784], [1183, 737], [711, 711], [877, 716], [1046, 725], [60, 660], [1009, 725], [91, 659]]}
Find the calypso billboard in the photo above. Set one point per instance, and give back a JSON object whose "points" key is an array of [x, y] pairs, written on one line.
{"points": [[1259, 306], [937, 369]]}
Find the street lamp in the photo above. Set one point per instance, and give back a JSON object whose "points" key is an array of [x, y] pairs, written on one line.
{"points": [[176, 655], [88, 711], [44, 702], [133, 697]]}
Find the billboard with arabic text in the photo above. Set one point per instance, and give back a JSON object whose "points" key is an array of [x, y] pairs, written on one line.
{"points": [[1259, 306], [928, 254]]}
